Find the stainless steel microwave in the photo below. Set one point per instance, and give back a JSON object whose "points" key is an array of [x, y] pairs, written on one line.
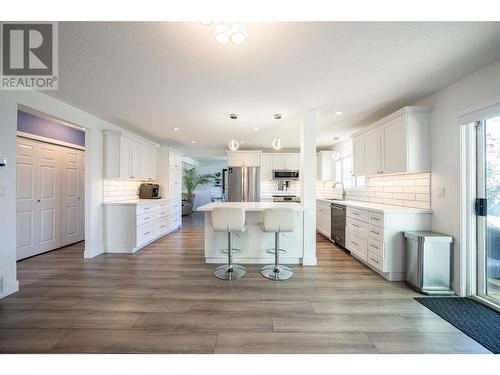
{"points": [[285, 174]]}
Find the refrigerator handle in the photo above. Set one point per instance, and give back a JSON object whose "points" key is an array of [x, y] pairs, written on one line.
{"points": [[244, 182]]}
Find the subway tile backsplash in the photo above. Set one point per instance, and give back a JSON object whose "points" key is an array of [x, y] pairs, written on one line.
{"points": [[408, 190], [115, 190], [270, 188]]}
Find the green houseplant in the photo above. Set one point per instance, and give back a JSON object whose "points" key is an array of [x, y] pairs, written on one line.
{"points": [[191, 179]]}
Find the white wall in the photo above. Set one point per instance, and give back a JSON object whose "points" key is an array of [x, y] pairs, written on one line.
{"points": [[477, 90], [203, 191], [9, 101]]}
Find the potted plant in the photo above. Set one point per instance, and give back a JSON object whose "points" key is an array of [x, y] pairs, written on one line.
{"points": [[191, 179], [217, 178]]}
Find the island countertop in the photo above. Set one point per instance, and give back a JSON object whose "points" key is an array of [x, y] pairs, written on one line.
{"points": [[251, 206]]}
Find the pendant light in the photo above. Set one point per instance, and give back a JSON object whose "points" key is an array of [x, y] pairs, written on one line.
{"points": [[233, 143], [277, 140]]}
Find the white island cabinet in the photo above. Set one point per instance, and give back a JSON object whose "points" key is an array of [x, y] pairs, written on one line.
{"points": [[253, 243], [131, 225]]}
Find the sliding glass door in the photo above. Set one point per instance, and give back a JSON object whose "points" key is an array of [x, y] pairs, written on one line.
{"points": [[488, 208]]}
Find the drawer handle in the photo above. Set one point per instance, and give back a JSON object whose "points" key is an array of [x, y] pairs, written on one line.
{"points": [[375, 247], [375, 218], [146, 208], [147, 218], [147, 233], [355, 213], [163, 226], [374, 232], [355, 243], [376, 261]]}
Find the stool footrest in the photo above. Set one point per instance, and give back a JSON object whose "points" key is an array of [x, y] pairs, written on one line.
{"points": [[235, 251], [272, 251]]}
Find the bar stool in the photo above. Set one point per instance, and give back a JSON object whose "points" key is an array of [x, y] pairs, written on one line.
{"points": [[229, 220], [278, 220]]}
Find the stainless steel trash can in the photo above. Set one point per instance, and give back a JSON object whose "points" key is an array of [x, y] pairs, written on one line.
{"points": [[429, 262]]}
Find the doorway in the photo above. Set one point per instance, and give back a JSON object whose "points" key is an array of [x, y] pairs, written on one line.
{"points": [[50, 197], [487, 208]]}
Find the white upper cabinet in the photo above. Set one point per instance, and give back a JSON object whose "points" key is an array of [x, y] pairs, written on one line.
{"points": [[398, 143], [279, 162], [327, 164], [266, 167], [128, 158], [373, 155], [358, 150], [243, 158], [292, 161]]}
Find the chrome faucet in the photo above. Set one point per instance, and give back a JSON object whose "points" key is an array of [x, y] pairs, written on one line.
{"points": [[343, 188]]}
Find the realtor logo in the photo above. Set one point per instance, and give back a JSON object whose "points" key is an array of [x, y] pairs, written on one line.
{"points": [[29, 56]]}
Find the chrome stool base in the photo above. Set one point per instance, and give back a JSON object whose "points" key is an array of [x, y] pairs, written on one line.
{"points": [[279, 273], [226, 272]]}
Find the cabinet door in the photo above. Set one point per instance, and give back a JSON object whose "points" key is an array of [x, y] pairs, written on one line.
{"points": [[358, 144], [266, 168], [373, 152], [144, 163], [292, 161], [153, 166], [70, 196], [136, 160], [394, 142], [125, 158], [252, 159], [326, 166], [235, 159], [278, 161]]}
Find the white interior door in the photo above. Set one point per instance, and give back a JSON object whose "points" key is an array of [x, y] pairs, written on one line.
{"points": [[71, 196], [27, 212], [48, 199], [81, 185]]}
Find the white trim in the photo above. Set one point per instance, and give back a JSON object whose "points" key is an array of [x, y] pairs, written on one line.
{"points": [[49, 140], [487, 301], [467, 256], [479, 113]]}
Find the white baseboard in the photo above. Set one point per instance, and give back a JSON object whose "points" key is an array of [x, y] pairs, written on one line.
{"points": [[93, 252], [9, 288], [310, 261]]}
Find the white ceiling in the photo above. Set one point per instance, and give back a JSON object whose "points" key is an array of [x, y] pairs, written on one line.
{"points": [[151, 77]]}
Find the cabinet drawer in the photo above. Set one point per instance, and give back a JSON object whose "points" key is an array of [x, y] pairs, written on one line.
{"points": [[145, 208], [357, 225], [375, 260], [161, 226], [376, 218], [357, 214], [357, 244], [145, 233], [376, 233], [376, 247], [146, 218], [175, 206]]}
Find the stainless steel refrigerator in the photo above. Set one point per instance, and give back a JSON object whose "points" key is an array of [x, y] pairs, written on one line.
{"points": [[243, 184]]}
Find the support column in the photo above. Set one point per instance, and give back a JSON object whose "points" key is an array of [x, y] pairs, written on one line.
{"points": [[308, 185]]}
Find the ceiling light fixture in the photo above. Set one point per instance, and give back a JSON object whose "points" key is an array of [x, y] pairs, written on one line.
{"points": [[336, 138], [206, 22], [193, 141], [277, 140], [338, 113], [175, 129], [222, 34], [255, 129], [238, 34], [233, 143]]}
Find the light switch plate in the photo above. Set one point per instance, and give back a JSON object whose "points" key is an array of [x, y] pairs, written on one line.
{"points": [[440, 192], [3, 191]]}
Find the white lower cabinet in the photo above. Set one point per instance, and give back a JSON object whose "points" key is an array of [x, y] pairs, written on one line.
{"points": [[130, 226], [376, 238], [323, 218]]}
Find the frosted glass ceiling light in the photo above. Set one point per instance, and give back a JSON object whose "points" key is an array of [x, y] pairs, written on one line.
{"points": [[233, 143], [238, 34], [222, 34], [277, 140]]}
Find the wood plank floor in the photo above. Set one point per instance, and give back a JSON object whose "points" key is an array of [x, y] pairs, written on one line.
{"points": [[164, 299]]}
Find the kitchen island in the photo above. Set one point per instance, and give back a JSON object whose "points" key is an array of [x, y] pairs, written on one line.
{"points": [[253, 243]]}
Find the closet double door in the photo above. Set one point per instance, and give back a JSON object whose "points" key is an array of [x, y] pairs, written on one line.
{"points": [[49, 198]]}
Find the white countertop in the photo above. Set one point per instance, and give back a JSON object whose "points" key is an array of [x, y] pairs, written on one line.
{"points": [[134, 202], [251, 206], [385, 208]]}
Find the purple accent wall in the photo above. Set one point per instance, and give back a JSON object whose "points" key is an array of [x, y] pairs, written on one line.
{"points": [[28, 123]]}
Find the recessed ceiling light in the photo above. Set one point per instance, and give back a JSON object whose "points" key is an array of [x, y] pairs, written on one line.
{"points": [[193, 141], [242, 141], [336, 138], [255, 129], [175, 129], [338, 113]]}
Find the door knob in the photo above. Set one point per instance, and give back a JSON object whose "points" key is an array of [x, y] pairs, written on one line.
{"points": [[38, 200]]}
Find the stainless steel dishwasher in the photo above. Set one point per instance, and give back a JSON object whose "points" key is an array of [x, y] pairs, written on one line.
{"points": [[338, 214]]}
